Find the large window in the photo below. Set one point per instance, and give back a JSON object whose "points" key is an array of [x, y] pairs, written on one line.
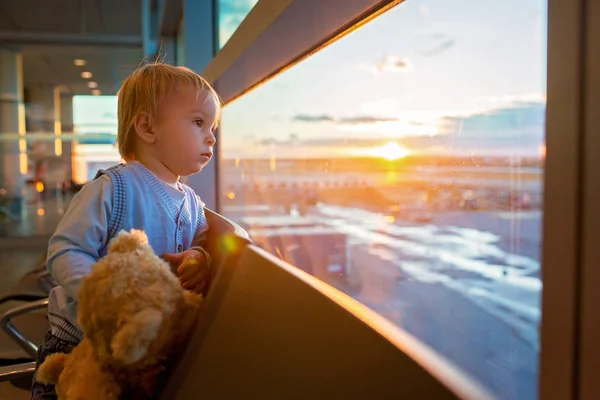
{"points": [[96, 117], [231, 14], [404, 165], [54, 166]]}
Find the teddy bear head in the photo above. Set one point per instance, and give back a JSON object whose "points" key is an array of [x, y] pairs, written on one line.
{"points": [[132, 307]]}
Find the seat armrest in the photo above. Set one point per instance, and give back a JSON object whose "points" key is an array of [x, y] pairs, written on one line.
{"points": [[9, 328], [17, 371]]}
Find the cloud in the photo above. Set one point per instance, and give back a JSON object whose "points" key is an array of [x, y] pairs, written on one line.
{"points": [[236, 7], [430, 44], [517, 99], [350, 142], [433, 36], [364, 120], [231, 15], [313, 118], [396, 64], [390, 64], [515, 129], [438, 48], [268, 142], [356, 120], [292, 140], [518, 119]]}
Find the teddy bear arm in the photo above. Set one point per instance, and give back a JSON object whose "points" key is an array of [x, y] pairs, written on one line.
{"points": [[49, 371], [133, 339], [93, 383]]}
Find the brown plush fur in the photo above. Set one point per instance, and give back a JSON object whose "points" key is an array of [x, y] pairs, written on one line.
{"points": [[133, 313]]}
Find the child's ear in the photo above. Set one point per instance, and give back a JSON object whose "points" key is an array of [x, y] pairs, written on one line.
{"points": [[143, 127]]}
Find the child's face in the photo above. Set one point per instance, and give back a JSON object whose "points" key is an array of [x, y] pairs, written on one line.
{"points": [[184, 129]]}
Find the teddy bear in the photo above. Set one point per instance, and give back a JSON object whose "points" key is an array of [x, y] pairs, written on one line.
{"points": [[134, 315]]}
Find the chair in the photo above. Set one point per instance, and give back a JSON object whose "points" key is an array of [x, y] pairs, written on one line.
{"points": [[32, 289], [36, 285], [224, 242], [9, 328]]}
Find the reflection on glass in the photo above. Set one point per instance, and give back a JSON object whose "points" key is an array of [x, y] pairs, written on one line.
{"points": [[231, 15], [44, 196], [403, 165], [51, 178], [94, 115]]}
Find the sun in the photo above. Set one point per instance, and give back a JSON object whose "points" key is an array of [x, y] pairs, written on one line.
{"points": [[390, 151]]}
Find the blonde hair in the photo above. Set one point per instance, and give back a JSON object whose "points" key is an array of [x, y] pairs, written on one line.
{"points": [[143, 90]]}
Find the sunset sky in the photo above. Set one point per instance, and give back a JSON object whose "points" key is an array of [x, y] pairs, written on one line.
{"points": [[430, 76], [437, 76]]}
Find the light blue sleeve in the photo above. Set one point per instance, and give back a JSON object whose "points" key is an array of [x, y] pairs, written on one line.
{"points": [[80, 235]]}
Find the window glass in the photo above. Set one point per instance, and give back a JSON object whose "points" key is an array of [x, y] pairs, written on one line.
{"points": [[231, 14], [53, 167], [404, 166], [96, 117], [180, 44]]}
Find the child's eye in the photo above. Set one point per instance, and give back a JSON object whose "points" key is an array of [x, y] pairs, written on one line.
{"points": [[199, 122]]}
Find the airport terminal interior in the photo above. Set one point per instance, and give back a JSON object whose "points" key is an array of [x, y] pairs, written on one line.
{"points": [[401, 201]]}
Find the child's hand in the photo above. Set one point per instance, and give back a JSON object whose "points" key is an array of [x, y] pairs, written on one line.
{"points": [[192, 268]]}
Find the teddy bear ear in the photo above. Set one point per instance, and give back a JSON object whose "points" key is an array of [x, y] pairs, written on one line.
{"points": [[131, 343], [127, 242]]}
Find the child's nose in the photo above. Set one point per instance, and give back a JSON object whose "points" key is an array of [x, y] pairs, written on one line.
{"points": [[210, 140]]}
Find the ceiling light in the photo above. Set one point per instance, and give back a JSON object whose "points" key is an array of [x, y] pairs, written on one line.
{"points": [[96, 92], [79, 62], [86, 75], [92, 85]]}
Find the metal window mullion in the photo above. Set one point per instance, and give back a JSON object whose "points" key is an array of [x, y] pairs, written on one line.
{"points": [[589, 318], [562, 213], [198, 25]]}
